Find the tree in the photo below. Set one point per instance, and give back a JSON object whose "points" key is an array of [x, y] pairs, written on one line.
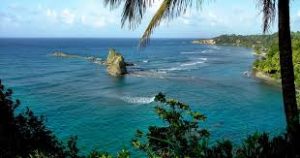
{"points": [[286, 60], [134, 11]]}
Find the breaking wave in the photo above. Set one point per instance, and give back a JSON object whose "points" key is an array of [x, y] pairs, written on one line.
{"points": [[138, 100], [192, 63]]}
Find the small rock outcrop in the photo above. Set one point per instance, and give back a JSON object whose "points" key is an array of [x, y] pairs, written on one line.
{"points": [[64, 55], [116, 65]]}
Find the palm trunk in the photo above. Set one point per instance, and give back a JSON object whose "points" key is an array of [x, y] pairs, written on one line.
{"points": [[287, 69]]}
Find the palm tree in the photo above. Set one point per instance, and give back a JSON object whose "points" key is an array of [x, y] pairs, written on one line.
{"points": [[286, 61], [134, 11]]}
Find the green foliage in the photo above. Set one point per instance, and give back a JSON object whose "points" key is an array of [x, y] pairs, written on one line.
{"points": [[261, 145], [97, 154], [181, 135], [24, 133], [259, 43], [222, 149], [121, 154], [270, 63]]}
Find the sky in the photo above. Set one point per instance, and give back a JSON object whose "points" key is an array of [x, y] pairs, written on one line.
{"points": [[91, 18]]}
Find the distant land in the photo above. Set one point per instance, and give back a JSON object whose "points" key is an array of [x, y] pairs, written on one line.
{"points": [[266, 66]]}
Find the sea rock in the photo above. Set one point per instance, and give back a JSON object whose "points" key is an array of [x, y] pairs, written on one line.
{"points": [[116, 65], [129, 64], [95, 60], [64, 55], [59, 54]]}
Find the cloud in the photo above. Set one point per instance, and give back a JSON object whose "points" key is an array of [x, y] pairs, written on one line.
{"points": [[88, 18], [67, 16], [8, 20]]}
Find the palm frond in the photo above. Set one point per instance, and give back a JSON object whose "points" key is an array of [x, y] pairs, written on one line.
{"points": [[134, 10], [155, 21], [269, 13], [169, 9], [113, 3]]}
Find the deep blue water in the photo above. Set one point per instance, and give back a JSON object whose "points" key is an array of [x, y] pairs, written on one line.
{"points": [[79, 98]]}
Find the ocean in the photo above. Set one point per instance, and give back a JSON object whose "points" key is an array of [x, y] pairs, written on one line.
{"points": [[78, 97]]}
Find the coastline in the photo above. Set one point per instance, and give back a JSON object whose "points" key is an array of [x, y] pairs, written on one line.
{"points": [[266, 78], [256, 74]]}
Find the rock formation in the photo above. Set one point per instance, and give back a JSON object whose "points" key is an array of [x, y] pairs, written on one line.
{"points": [[116, 65], [64, 55]]}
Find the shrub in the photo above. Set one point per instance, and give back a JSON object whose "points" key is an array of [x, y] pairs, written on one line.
{"points": [[24, 134]]}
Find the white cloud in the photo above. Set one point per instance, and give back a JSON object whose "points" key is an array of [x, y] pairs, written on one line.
{"points": [[95, 22], [67, 16], [87, 16]]}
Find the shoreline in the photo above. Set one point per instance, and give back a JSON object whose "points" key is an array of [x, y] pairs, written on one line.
{"points": [[264, 77], [256, 74]]}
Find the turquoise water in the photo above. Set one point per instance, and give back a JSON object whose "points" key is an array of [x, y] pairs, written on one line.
{"points": [[79, 98]]}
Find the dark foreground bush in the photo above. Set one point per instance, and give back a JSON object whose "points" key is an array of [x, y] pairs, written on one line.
{"points": [[25, 135]]}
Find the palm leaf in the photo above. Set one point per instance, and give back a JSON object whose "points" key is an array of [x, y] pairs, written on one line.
{"points": [[169, 9], [269, 13], [155, 21], [133, 10]]}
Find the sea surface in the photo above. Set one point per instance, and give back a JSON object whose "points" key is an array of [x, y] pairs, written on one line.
{"points": [[79, 98]]}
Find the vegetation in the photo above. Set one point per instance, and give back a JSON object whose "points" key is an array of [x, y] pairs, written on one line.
{"points": [[259, 43], [270, 63], [25, 135]]}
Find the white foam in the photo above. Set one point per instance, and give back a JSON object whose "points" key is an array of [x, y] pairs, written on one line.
{"points": [[172, 69], [145, 61], [199, 52], [192, 63], [138, 100], [190, 52], [202, 59]]}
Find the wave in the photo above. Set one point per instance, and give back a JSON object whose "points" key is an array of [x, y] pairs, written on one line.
{"points": [[190, 52], [202, 59], [192, 63], [138, 100], [198, 52], [179, 68]]}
